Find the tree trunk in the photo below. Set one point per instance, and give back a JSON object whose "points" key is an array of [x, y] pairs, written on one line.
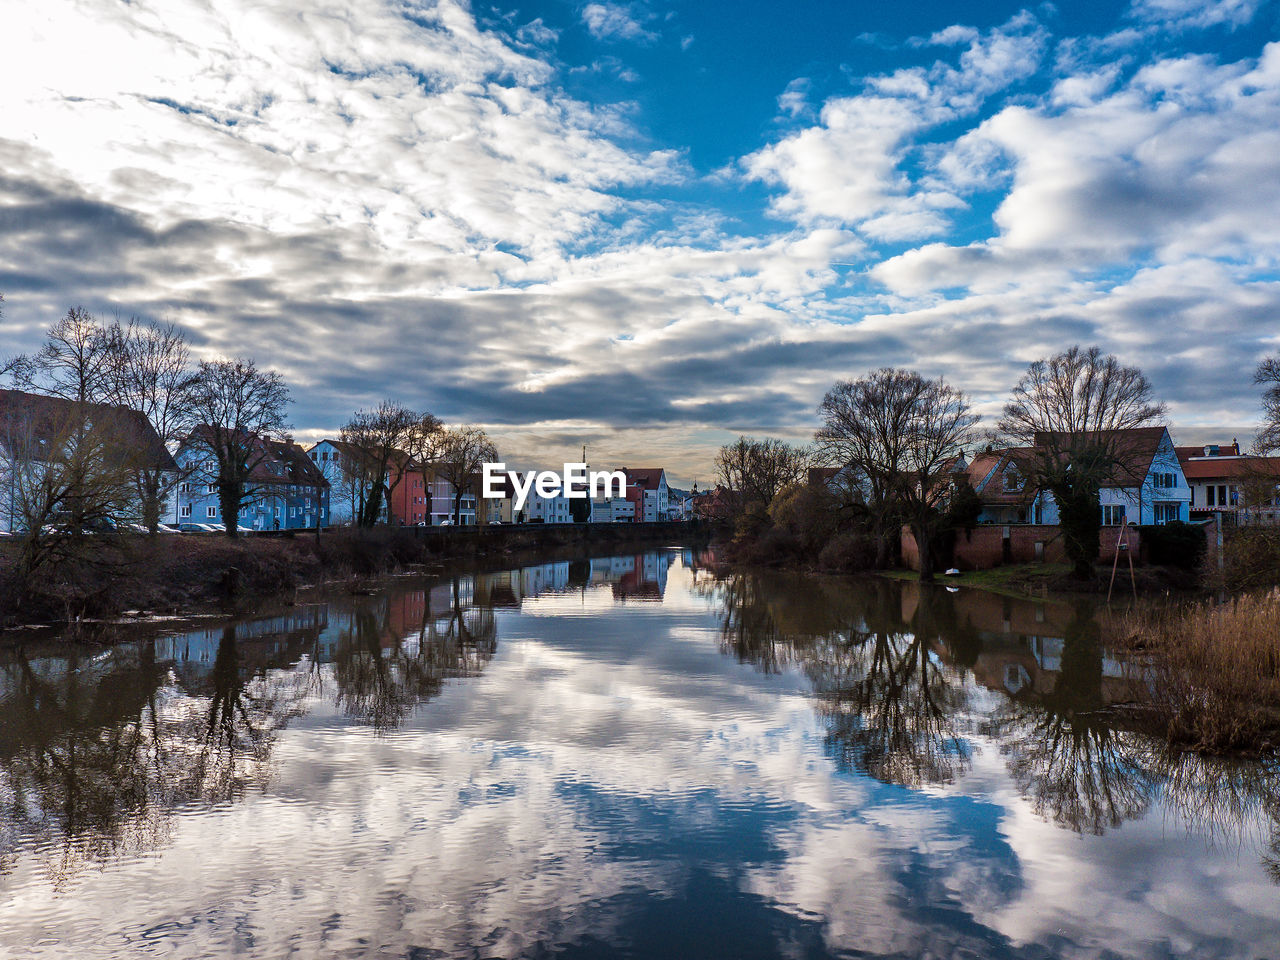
{"points": [[229, 503], [457, 509], [924, 549], [151, 501], [1080, 517]]}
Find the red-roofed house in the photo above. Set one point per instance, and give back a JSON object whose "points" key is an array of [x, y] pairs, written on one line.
{"points": [[1223, 480], [1148, 487], [647, 489]]}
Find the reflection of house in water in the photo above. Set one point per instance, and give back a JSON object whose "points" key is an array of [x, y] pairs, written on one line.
{"points": [[268, 642], [1021, 643], [641, 576], [646, 580]]}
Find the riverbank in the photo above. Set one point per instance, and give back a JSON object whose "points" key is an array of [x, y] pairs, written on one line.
{"points": [[1042, 580], [181, 573], [1214, 671]]}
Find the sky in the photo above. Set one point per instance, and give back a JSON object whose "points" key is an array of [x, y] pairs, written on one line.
{"points": [[648, 227]]}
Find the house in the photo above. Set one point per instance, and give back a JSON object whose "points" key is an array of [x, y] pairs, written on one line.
{"points": [[1147, 487], [36, 431], [540, 509], [286, 490], [408, 502], [612, 510], [500, 509], [415, 493], [716, 505], [999, 479], [336, 460], [647, 490], [441, 498], [1225, 481]]}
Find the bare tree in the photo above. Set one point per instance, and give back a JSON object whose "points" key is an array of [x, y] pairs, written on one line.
{"points": [[237, 407], [1268, 375], [459, 453], [67, 454], [154, 377], [77, 362], [902, 436], [66, 470], [379, 449], [759, 469], [1073, 410]]}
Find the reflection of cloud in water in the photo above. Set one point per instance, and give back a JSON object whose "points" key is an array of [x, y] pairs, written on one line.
{"points": [[609, 778]]}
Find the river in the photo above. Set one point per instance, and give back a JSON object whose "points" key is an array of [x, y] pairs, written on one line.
{"points": [[630, 756]]}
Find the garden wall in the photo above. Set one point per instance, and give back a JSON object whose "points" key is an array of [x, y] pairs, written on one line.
{"points": [[994, 545]]}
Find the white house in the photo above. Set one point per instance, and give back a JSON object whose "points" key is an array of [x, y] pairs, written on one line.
{"points": [[1150, 489], [333, 458], [1225, 481], [647, 488], [40, 433]]}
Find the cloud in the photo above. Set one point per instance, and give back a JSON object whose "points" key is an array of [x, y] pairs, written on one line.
{"points": [[1186, 14], [849, 167], [384, 201], [616, 21]]}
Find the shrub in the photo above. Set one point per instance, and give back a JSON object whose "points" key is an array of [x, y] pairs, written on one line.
{"points": [[808, 512], [1215, 682], [850, 552], [1175, 544], [1251, 557]]}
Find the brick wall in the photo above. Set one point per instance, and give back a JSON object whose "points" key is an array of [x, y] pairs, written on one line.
{"points": [[984, 546]]}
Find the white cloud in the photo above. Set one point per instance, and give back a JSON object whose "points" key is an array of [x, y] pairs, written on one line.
{"points": [[412, 205], [849, 167], [616, 21], [1196, 13]]}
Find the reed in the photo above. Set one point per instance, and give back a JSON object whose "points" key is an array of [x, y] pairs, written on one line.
{"points": [[1214, 672]]}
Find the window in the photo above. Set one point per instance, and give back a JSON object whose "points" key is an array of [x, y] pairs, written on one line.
{"points": [[211, 488], [184, 510], [1209, 501], [1222, 494], [211, 512], [184, 487], [313, 455], [1166, 512], [1112, 514]]}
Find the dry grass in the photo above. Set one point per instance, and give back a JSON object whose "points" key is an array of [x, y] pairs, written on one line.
{"points": [[1215, 671]]}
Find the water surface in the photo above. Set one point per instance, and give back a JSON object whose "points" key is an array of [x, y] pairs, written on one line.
{"points": [[618, 757]]}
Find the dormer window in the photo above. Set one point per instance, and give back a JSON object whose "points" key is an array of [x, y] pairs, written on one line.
{"points": [[1012, 482]]}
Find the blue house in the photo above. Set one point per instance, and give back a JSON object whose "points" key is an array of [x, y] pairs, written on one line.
{"points": [[1148, 487], [286, 491]]}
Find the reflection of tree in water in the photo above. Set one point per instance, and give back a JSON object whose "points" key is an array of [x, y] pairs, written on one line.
{"points": [[1064, 747], [1223, 798], [893, 706], [233, 728], [383, 675], [98, 752], [889, 702]]}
